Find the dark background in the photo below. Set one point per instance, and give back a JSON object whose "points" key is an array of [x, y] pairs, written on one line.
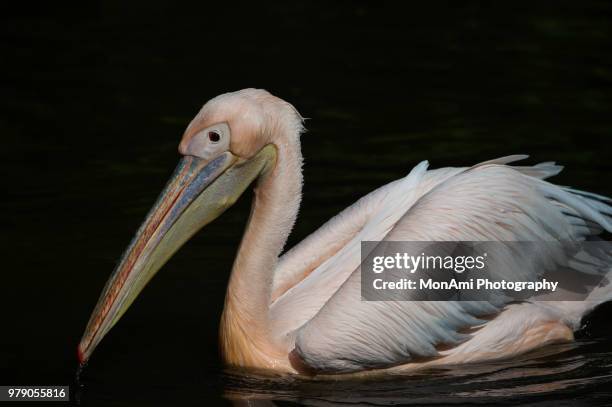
{"points": [[96, 95]]}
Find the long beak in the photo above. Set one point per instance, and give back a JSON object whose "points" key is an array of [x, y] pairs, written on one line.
{"points": [[197, 193]]}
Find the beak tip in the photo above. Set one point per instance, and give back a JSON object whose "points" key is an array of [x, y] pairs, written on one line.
{"points": [[81, 355]]}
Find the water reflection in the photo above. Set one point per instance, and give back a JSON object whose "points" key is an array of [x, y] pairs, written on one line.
{"points": [[559, 372]]}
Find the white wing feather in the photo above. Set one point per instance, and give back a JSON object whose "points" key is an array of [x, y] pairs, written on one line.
{"points": [[335, 331], [316, 268]]}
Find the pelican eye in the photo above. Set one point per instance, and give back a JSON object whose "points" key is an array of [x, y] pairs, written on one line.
{"points": [[214, 136]]}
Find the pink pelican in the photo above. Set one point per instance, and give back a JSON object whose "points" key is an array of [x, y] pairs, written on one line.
{"points": [[302, 312]]}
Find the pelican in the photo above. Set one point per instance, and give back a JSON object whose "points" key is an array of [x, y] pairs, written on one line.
{"points": [[301, 312]]}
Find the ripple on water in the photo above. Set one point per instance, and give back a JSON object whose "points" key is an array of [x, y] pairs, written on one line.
{"points": [[560, 373]]}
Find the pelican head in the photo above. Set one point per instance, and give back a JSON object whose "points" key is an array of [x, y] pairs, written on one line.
{"points": [[231, 142]]}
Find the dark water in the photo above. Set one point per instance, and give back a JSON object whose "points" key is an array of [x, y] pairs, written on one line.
{"points": [[95, 98], [532, 378]]}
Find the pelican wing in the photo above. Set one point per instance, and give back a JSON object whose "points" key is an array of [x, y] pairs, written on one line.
{"points": [[312, 271], [487, 202], [309, 274]]}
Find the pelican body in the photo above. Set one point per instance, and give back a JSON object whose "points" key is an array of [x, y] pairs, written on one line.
{"points": [[302, 312]]}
